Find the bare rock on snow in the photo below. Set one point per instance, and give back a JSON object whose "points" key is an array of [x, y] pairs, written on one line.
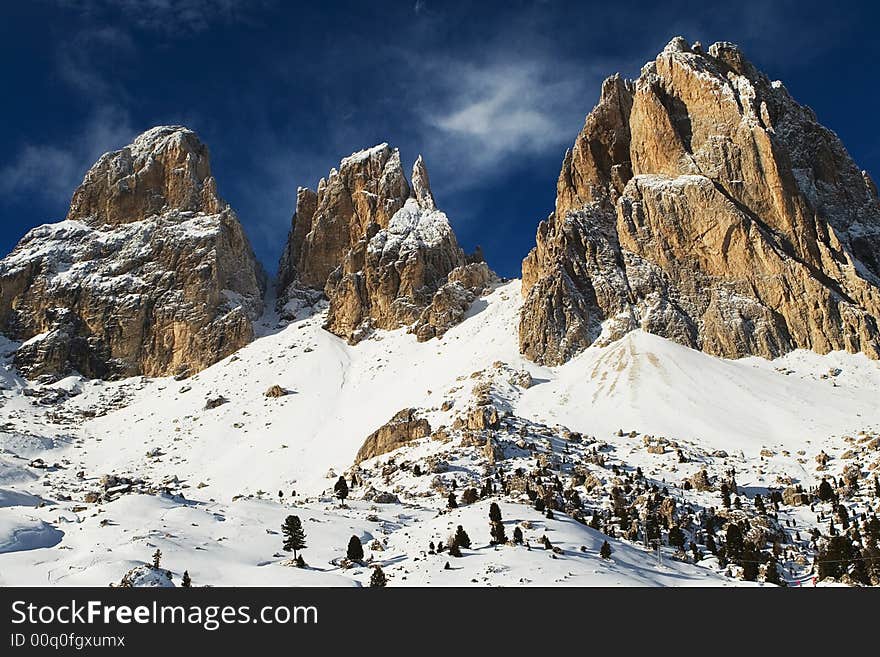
{"points": [[404, 427], [701, 203]]}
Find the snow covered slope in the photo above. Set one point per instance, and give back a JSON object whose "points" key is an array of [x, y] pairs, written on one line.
{"points": [[207, 468]]}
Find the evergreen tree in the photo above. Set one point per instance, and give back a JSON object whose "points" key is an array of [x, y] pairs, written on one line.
{"points": [[594, 521], [734, 541], [454, 549], [377, 579], [417, 471], [461, 539], [186, 582], [750, 559], [469, 496], [450, 501], [294, 536], [539, 505], [725, 495], [517, 536], [300, 562], [341, 489], [496, 531], [710, 543], [157, 557], [759, 505], [771, 574], [546, 542], [605, 550], [676, 537], [549, 514], [494, 513], [826, 493], [355, 550]]}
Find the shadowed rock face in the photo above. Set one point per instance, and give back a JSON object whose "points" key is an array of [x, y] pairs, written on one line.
{"points": [[703, 204], [150, 273], [378, 248]]}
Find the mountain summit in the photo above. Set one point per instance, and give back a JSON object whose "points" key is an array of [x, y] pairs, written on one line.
{"points": [[150, 273], [703, 204], [380, 250]]}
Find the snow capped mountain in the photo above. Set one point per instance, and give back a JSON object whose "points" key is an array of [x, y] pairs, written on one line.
{"points": [[682, 390]]}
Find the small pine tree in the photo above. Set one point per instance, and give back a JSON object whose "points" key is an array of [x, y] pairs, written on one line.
{"points": [[377, 579], [676, 537], [355, 551], [461, 539], [341, 489], [517, 536], [539, 505], [469, 496], [546, 542], [595, 522], [450, 502], [494, 512], [294, 535], [186, 582], [300, 562], [759, 505], [496, 530], [725, 495], [157, 557], [549, 514], [454, 550], [605, 550], [771, 574], [825, 492]]}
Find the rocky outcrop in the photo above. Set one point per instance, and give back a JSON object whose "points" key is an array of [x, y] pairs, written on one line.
{"points": [[150, 273], [450, 303], [703, 204], [404, 427], [378, 248]]}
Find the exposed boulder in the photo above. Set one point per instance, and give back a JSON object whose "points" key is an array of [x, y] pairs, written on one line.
{"points": [[404, 427], [703, 204], [150, 273]]}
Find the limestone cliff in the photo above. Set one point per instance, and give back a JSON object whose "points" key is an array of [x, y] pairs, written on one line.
{"points": [[150, 273], [702, 203]]}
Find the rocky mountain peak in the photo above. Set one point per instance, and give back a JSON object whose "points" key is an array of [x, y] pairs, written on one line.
{"points": [[421, 185], [151, 273], [165, 168], [379, 249], [700, 202]]}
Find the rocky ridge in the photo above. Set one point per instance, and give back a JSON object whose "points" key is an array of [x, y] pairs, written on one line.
{"points": [[703, 204]]}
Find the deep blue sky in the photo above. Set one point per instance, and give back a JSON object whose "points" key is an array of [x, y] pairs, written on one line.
{"points": [[490, 93]]}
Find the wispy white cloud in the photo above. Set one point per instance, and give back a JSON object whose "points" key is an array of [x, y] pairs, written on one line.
{"points": [[482, 119]]}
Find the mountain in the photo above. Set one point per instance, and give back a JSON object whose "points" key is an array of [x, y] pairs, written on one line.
{"points": [[701, 203], [680, 392], [150, 273], [379, 249]]}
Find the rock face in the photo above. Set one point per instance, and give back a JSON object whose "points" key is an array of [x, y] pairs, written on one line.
{"points": [[404, 427], [378, 248], [150, 273], [703, 204]]}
